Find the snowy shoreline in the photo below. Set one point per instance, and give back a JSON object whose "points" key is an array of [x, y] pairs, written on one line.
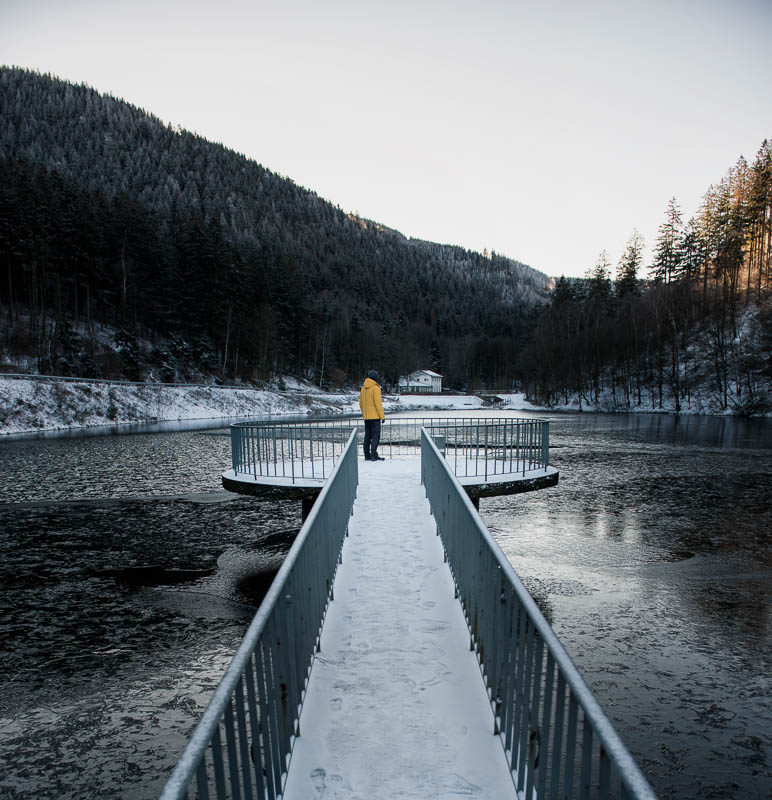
{"points": [[37, 406], [33, 405]]}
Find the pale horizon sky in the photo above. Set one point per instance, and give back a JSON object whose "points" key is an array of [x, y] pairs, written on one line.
{"points": [[546, 131]]}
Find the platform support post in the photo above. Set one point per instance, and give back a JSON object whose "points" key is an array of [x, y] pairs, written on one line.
{"points": [[308, 504]]}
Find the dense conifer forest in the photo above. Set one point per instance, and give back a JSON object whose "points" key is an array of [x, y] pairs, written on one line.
{"points": [[132, 249], [195, 260], [694, 328]]}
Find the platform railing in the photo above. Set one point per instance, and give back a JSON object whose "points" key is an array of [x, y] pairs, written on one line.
{"points": [[242, 745], [296, 451], [557, 740], [301, 450]]}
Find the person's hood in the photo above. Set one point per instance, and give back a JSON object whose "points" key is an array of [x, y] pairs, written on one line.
{"points": [[369, 383]]}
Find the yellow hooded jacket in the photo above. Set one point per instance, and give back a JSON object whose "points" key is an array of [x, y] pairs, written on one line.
{"points": [[370, 400]]}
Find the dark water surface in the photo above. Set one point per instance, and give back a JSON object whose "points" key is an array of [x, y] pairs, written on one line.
{"points": [[128, 577], [127, 580], [653, 561]]}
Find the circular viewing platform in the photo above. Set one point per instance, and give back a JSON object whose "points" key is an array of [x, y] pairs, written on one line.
{"points": [[292, 460]]}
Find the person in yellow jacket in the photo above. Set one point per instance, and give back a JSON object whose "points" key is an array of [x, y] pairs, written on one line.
{"points": [[372, 411]]}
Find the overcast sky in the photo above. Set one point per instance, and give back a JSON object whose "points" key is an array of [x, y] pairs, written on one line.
{"points": [[544, 130]]}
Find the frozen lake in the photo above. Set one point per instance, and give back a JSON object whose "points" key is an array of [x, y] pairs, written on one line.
{"points": [[653, 562], [128, 578]]}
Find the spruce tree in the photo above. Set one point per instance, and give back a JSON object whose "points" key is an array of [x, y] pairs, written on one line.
{"points": [[667, 251], [627, 269]]}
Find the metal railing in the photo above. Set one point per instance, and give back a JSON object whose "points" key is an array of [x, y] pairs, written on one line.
{"points": [[242, 745], [481, 447], [289, 449], [487, 448], [558, 741]]}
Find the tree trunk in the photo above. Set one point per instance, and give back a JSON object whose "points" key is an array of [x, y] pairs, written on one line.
{"points": [[10, 292], [227, 340], [124, 278]]}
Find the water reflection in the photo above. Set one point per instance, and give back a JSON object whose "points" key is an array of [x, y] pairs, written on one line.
{"points": [[662, 429], [653, 560], [126, 429]]}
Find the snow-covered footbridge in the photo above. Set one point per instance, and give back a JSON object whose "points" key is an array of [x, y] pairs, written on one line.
{"points": [[395, 703], [397, 654]]}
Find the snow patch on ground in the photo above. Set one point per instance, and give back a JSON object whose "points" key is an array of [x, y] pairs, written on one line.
{"points": [[451, 402]]}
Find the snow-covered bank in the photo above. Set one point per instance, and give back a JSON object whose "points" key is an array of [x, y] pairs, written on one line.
{"points": [[34, 405], [701, 404], [31, 405]]}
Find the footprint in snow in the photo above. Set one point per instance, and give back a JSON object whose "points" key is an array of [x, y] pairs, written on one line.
{"points": [[436, 679], [457, 784], [431, 626]]}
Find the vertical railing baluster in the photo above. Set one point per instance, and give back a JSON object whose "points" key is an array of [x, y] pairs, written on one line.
{"points": [[217, 763], [486, 452], [510, 675], [235, 449], [557, 740], [202, 781], [266, 684], [604, 775], [534, 702], [586, 773], [524, 697], [258, 749], [571, 744], [499, 613], [545, 726], [519, 687], [256, 442], [241, 722], [233, 761]]}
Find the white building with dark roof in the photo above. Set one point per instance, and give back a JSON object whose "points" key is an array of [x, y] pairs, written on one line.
{"points": [[422, 381]]}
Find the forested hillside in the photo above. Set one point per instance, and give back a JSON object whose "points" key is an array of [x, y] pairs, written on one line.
{"points": [[688, 328], [132, 249]]}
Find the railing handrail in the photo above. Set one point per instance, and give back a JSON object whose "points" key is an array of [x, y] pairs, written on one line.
{"points": [[629, 772], [348, 417], [195, 751]]}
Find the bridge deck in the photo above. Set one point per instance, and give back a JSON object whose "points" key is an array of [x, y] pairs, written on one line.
{"points": [[396, 705]]}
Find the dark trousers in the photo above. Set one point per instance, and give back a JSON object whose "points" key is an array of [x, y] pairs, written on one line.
{"points": [[372, 437]]}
